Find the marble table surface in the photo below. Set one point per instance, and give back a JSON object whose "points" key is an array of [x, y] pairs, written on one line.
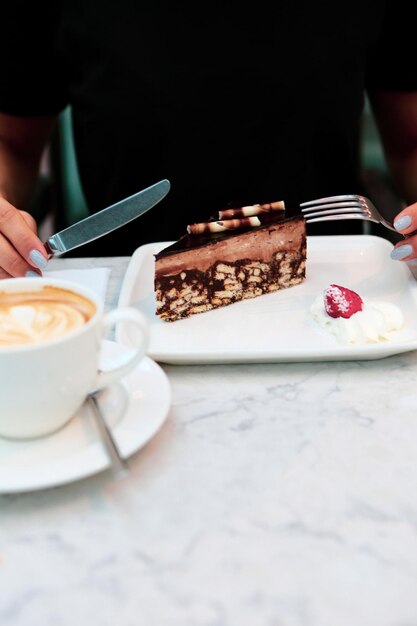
{"points": [[273, 495]]}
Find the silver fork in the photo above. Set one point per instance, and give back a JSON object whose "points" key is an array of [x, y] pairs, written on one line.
{"points": [[350, 207]]}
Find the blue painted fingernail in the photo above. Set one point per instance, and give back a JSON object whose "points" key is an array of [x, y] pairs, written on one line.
{"points": [[38, 259], [32, 274], [401, 252], [402, 222]]}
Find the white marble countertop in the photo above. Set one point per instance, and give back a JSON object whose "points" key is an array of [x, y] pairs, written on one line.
{"points": [[274, 495]]}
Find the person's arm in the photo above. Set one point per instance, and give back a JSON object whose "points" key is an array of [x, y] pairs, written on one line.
{"points": [[22, 141], [396, 116]]}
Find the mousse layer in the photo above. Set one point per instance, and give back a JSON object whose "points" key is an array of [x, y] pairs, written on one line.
{"points": [[284, 235]]}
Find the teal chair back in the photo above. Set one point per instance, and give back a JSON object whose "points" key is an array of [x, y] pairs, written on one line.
{"points": [[72, 203]]}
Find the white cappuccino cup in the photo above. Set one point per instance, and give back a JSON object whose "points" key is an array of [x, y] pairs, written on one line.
{"points": [[51, 337]]}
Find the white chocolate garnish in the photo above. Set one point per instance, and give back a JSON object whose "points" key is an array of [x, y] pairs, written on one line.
{"points": [[254, 209], [222, 225]]}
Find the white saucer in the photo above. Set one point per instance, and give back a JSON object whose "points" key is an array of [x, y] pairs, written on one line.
{"points": [[135, 409]]}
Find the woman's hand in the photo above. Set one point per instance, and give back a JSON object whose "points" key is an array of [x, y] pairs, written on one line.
{"points": [[406, 223], [21, 251]]}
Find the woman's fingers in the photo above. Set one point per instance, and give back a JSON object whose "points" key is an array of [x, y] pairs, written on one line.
{"points": [[406, 224], [405, 251], [20, 248], [4, 274], [12, 264], [406, 221], [30, 221]]}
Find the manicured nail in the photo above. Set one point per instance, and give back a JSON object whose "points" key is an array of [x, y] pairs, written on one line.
{"points": [[32, 274], [401, 252], [38, 259], [402, 222]]}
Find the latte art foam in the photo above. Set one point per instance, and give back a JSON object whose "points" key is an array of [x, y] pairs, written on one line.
{"points": [[34, 317]]}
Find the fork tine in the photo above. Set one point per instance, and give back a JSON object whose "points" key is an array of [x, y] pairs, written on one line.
{"points": [[346, 207], [347, 211], [331, 199], [336, 216], [333, 205]]}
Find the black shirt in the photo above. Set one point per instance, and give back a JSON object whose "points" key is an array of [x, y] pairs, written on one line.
{"points": [[231, 103]]}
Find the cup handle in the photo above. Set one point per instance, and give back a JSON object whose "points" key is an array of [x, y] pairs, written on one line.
{"points": [[125, 363]]}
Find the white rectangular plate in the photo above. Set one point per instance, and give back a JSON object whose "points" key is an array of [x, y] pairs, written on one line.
{"points": [[277, 327]]}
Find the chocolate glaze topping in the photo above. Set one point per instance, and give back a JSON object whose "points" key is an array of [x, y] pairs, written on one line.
{"points": [[188, 242]]}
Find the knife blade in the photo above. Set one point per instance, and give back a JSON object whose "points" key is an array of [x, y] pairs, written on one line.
{"points": [[106, 220]]}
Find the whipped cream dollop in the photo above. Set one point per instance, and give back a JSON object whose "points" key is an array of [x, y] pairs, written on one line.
{"points": [[373, 323]]}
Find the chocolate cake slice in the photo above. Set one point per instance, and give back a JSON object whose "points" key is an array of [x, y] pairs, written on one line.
{"points": [[244, 253]]}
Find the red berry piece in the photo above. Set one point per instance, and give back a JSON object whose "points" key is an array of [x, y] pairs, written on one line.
{"points": [[341, 302]]}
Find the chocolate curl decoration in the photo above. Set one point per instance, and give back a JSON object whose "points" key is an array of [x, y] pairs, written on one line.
{"points": [[254, 209], [222, 225]]}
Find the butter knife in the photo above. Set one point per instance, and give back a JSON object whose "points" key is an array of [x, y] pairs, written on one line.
{"points": [[106, 220]]}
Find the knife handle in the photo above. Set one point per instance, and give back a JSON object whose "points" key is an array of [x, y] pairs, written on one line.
{"points": [[49, 250]]}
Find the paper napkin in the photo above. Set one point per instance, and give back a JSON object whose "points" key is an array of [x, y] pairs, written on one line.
{"points": [[95, 278]]}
